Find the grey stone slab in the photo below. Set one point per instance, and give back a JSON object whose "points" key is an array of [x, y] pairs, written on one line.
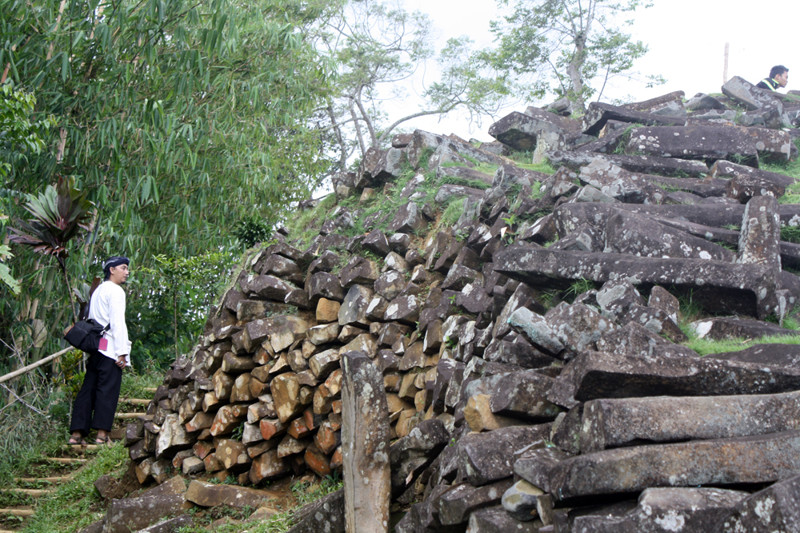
{"points": [[467, 174], [325, 515], [518, 352], [636, 339], [537, 329], [741, 288], [663, 510], [411, 454], [759, 459], [599, 113], [578, 326], [777, 355], [522, 131], [569, 216], [760, 233], [711, 142], [635, 187], [665, 102], [609, 423], [354, 306], [730, 327], [594, 375], [125, 514], [522, 394], [747, 94], [487, 457], [358, 270], [535, 465], [704, 102], [774, 509], [666, 166], [523, 500], [458, 503], [496, 520], [632, 233], [365, 445]]}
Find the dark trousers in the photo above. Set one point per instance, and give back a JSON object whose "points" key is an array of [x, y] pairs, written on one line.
{"points": [[96, 402]]}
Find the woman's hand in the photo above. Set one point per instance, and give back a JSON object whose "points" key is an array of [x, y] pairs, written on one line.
{"points": [[121, 361]]}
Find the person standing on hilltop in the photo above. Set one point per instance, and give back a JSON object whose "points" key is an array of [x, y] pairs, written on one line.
{"points": [[778, 78], [96, 403]]}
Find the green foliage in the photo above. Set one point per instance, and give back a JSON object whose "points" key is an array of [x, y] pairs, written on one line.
{"points": [[568, 48], [524, 159], [169, 302], [377, 44], [544, 167], [579, 287], [791, 169], [24, 434], [137, 381], [252, 229], [6, 277], [20, 134], [475, 184], [77, 504], [56, 217], [176, 119], [710, 346], [304, 225], [790, 234], [452, 212]]}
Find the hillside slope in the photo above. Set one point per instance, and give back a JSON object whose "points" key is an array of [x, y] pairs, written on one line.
{"points": [[530, 329]]}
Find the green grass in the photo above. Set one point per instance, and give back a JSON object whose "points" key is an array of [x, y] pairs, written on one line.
{"points": [[791, 169], [77, 504], [304, 225], [709, 346], [790, 233], [475, 184], [136, 383], [26, 436]]}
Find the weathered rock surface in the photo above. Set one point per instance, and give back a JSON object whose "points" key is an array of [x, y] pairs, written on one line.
{"points": [[527, 361]]}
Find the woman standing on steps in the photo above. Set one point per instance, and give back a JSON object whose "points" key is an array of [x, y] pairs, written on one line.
{"points": [[96, 402]]}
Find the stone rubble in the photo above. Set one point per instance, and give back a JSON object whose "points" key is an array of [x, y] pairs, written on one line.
{"points": [[528, 359]]}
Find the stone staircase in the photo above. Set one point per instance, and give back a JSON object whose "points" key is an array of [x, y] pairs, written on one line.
{"points": [[59, 469]]}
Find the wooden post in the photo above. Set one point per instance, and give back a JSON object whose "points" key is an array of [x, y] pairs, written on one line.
{"points": [[31, 366], [725, 64]]}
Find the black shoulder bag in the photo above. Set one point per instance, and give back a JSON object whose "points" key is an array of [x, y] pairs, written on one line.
{"points": [[85, 335]]}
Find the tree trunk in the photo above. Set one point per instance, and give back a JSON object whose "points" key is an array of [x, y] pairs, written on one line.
{"points": [[358, 128], [339, 138]]}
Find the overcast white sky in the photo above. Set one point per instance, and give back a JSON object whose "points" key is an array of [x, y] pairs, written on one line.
{"points": [[686, 39]]}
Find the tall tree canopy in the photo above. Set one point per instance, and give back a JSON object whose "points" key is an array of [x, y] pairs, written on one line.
{"points": [[177, 119], [377, 48], [578, 44]]}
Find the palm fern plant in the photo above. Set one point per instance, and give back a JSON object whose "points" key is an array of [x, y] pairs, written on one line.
{"points": [[56, 217]]}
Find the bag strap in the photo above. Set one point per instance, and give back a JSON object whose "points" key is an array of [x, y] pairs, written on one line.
{"points": [[84, 312]]}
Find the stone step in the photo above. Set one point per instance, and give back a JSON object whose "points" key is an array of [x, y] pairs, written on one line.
{"points": [[135, 401], [23, 511], [29, 492], [50, 479], [67, 460], [129, 416]]}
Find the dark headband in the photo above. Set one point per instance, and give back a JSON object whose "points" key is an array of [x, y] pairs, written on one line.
{"points": [[117, 260]]}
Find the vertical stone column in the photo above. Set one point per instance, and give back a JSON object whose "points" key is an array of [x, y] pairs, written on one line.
{"points": [[365, 446], [759, 243]]}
